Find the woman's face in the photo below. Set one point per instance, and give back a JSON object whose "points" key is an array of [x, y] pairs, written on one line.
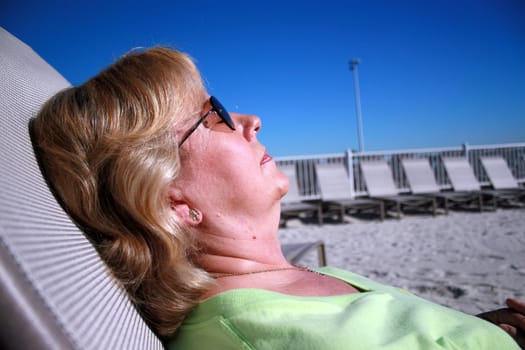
{"points": [[227, 174]]}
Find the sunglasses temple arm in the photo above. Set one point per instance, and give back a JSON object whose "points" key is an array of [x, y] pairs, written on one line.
{"points": [[194, 127]]}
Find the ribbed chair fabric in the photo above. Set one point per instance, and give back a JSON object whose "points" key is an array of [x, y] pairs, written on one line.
{"points": [[58, 291]]}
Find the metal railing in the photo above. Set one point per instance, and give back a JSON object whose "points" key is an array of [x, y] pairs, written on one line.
{"points": [[514, 154]]}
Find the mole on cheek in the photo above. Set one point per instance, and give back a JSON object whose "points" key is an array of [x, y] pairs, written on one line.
{"points": [[254, 237]]}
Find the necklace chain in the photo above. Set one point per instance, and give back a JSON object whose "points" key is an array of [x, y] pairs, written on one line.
{"points": [[298, 268]]}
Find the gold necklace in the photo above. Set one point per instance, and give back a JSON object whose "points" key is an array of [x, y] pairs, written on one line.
{"points": [[298, 268]]}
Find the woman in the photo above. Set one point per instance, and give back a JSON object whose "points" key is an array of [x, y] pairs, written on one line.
{"points": [[182, 203]]}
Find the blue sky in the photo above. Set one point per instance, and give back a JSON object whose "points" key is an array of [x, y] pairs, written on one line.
{"points": [[432, 73]]}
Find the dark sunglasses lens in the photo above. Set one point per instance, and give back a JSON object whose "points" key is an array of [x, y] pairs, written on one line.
{"points": [[222, 112]]}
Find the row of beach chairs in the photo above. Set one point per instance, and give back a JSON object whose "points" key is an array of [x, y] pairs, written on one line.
{"points": [[425, 194]]}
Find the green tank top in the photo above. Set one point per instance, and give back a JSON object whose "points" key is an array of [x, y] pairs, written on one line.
{"points": [[380, 317]]}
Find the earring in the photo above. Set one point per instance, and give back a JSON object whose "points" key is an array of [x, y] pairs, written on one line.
{"points": [[194, 215]]}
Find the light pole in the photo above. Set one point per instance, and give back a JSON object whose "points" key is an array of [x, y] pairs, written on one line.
{"points": [[353, 67]]}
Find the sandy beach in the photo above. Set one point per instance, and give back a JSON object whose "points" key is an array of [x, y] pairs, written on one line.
{"points": [[466, 260]]}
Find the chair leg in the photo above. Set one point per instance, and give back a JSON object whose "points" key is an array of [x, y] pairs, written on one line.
{"points": [[446, 206], [480, 201], [321, 255], [382, 211]]}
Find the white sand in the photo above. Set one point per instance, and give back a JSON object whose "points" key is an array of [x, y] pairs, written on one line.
{"points": [[468, 261]]}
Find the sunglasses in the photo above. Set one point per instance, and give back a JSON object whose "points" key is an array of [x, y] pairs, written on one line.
{"points": [[221, 112]]}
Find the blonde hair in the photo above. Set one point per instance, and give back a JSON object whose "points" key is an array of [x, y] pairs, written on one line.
{"points": [[108, 149]]}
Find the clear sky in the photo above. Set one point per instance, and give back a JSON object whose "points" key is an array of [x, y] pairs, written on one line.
{"points": [[433, 73]]}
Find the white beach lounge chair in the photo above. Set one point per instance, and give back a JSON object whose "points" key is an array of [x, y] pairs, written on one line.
{"points": [[501, 177], [294, 252], [422, 181], [293, 204], [334, 186], [499, 174], [55, 291], [380, 184]]}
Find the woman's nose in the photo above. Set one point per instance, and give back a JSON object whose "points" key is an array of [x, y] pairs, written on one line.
{"points": [[249, 125]]}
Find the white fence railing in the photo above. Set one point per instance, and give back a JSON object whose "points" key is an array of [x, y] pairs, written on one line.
{"points": [[514, 154]]}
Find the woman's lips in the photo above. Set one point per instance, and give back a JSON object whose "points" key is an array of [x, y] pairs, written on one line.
{"points": [[266, 158]]}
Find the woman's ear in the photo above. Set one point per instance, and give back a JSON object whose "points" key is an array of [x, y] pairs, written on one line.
{"points": [[185, 213], [182, 210]]}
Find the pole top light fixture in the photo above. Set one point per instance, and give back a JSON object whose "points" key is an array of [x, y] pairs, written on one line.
{"points": [[354, 62]]}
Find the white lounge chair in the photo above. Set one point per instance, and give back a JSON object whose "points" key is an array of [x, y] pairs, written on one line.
{"points": [[380, 184], [501, 177], [294, 252], [334, 186], [422, 181], [55, 291], [499, 174], [293, 203]]}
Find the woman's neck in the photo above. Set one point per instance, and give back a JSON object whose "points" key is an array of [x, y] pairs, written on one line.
{"points": [[231, 256]]}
